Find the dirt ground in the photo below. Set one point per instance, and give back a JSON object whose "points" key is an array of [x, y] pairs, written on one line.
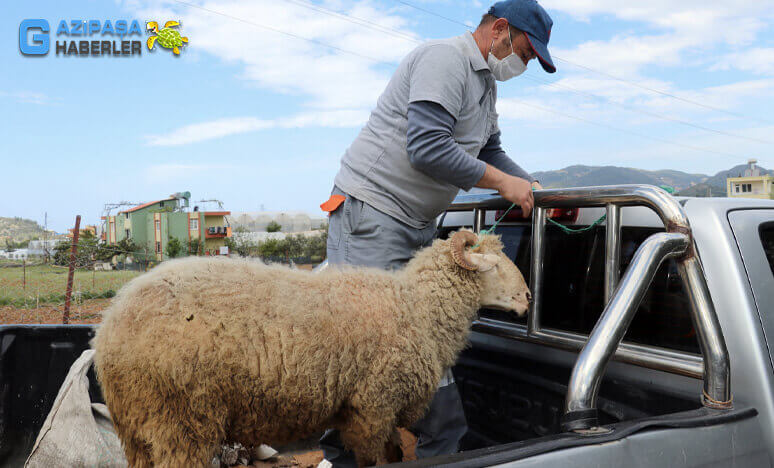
{"points": [[86, 312], [306, 453]]}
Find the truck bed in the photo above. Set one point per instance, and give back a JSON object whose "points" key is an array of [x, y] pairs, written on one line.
{"points": [[512, 393]]}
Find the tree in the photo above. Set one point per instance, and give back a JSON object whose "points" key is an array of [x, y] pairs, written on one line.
{"points": [[291, 246], [174, 247], [241, 246], [273, 227], [317, 246], [195, 246], [269, 248]]}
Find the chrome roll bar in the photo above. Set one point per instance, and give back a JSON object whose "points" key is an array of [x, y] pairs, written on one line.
{"points": [[622, 299]]}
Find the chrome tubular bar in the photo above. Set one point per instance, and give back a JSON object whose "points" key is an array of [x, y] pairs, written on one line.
{"points": [[580, 404], [536, 267], [590, 365], [612, 249]]}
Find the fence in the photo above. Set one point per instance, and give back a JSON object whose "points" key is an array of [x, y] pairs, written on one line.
{"points": [[35, 290]]}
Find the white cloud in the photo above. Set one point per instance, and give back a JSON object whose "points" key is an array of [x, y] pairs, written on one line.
{"points": [[26, 97], [759, 60], [690, 30], [199, 132], [327, 78]]}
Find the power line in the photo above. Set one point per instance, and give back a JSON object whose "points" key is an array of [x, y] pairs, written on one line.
{"points": [[361, 22], [663, 93], [432, 13], [396, 33], [355, 20], [399, 34], [632, 83], [644, 112], [279, 31], [611, 127]]}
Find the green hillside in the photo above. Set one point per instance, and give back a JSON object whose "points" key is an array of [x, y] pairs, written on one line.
{"points": [[18, 230]]}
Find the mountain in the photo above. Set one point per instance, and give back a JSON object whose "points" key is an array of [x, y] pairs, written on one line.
{"points": [[719, 179], [18, 230], [686, 184]]}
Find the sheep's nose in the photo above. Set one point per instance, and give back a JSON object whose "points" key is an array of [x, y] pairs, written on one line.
{"points": [[529, 297]]}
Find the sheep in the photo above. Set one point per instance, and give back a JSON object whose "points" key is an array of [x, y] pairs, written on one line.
{"points": [[202, 350]]}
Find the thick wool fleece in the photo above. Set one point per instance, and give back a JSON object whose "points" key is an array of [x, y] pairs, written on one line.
{"points": [[203, 350]]}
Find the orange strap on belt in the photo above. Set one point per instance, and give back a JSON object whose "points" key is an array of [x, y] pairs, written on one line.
{"points": [[333, 203]]}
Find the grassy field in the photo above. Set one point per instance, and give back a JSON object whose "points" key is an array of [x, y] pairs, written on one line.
{"points": [[45, 284]]}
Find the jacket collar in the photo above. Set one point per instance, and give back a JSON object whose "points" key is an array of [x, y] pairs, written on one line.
{"points": [[472, 51]]}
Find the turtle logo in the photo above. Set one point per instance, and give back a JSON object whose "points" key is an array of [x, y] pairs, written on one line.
{"points": [[167, 38]]}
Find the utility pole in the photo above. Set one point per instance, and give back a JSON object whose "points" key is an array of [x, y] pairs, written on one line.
{"points": [[45, 237], [71, 271]]}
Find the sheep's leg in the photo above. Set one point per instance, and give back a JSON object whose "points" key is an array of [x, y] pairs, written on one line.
{"points": [[392, 449], [367, 435], [179, 449], [137, 453]]}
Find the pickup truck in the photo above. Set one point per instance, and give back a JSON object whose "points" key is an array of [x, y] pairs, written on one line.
{"points": [[647, 342]]}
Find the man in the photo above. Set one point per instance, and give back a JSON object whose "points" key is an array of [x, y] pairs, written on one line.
{"points": [[433, 132]]}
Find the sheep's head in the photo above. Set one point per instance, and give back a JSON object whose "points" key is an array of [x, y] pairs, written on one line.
{"points": [[503, 286]]}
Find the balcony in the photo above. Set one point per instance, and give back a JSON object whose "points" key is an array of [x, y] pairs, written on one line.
{"points": [[217, 232]]}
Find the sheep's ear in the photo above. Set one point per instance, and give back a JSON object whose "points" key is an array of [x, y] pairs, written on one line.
{"points": [[483, 262]]}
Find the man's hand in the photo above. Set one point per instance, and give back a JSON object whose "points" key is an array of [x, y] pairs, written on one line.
{"points": [[518, 191], [513, 189], [536, 185]]}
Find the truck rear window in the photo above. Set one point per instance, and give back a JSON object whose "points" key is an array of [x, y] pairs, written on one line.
{"points": [[766, 232], [574, 286]]}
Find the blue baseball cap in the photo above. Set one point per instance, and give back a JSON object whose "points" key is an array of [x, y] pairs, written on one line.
{"points": [[531, 18]]}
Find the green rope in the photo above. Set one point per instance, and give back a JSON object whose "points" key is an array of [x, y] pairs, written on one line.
{"points": [[578, 230], [564, 228]]}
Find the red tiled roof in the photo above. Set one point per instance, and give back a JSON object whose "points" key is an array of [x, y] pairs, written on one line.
{"points": [[144, 205]]}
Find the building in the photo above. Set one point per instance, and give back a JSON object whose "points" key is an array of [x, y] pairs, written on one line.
{"points": [[752, 184], [152, 225], [42, 248], [18, 254], [86, 230]]}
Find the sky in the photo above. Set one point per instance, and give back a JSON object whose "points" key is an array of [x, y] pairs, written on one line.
{"points": [[268, 94]]}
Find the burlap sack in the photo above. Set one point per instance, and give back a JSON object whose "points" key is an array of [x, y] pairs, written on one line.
{"points": [[77, 432]]}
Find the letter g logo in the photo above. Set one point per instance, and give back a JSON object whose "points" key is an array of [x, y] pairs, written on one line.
{"points": [[40, 42]]}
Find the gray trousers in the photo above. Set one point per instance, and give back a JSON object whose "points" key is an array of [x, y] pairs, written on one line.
{"points": [[358, 234]]}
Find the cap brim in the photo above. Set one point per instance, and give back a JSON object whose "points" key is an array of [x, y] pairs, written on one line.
{"points": [[541, 50]]}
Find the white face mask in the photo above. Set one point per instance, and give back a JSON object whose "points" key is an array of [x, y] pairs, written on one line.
{"points": [[508, 67]]}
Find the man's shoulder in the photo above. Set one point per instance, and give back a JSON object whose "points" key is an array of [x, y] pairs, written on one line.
{"points": [[451, 47], [448, 50]]}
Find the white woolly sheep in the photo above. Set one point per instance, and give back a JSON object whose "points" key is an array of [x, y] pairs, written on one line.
{"points": [[203, 350]]}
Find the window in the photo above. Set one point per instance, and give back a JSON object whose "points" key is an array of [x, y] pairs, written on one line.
{"points": [[158, 247], [193, 224], [766, 232], [158, 224], [574, 286], [737, 188], [128, 233]]}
